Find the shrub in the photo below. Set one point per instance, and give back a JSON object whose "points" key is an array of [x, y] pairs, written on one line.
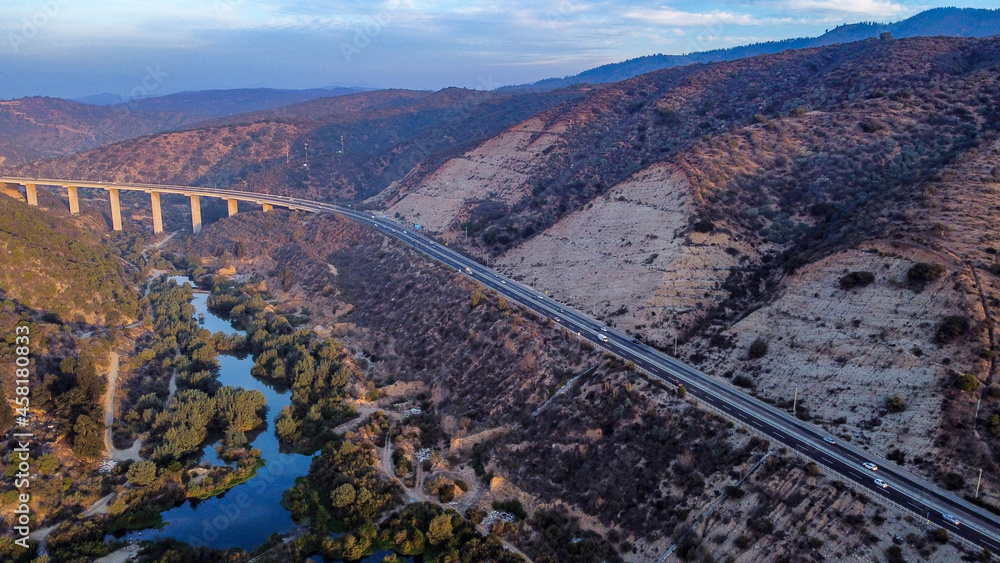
{"points": [[951, 328], [141, 473], [682, 391], [743, 541], [856, 279], [758, 348], [813, 469], [897, 455], [894, 554], [895, 403], [967, 382], [953, 481], [704, 226], [742, 381], [870, 125], [940, 535], [513, 507], [923, 272]]}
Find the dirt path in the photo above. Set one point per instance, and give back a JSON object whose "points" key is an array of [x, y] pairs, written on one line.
{"points": [[123, 555], [114, 453], [99, 507]]}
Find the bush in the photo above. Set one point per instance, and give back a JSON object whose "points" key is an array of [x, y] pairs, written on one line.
{"points": [[922, 272], [704, 226], [758, 348], [894, 554], [141, 473], [951, 328], [512, 507], [967, 382], [870, 125], [895, 403], [742, 381], [856, 279], [953, 481], [897, 455], [813, 469], [940, 535]]}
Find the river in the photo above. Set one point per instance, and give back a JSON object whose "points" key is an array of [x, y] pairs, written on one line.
{"points": [[247, 514]]}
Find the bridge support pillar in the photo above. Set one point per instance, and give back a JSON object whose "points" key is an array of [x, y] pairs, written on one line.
{"points": [[157, 212], [233, 206], [267, 207], [116, 209], [195, 214], [74, 200], [31, 194]]}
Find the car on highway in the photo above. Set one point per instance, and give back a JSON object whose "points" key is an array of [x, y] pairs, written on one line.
{"points": [[558, 320], [539, 296], [882, 483], [950, 518], [870, 465], [602, 338], [503, 282], [604, 329], [829, 440]]}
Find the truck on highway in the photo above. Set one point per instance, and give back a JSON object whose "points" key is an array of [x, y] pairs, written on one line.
{"points": [[602, 337]]}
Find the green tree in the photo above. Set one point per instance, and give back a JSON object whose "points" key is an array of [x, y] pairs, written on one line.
{"points": [[758, 348], [440, 529], [142, 473], [343, 496], [895, 403], [88, 442]]}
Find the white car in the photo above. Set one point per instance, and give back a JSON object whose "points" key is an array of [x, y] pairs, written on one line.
{"points": [[602, 338], [869, 465], [539, 296], [951, 519], [882, 483], [829, 440], [503, 282], [604, 329]]}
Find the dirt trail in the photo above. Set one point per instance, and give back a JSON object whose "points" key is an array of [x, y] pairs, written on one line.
{"points": [[109, 417]]}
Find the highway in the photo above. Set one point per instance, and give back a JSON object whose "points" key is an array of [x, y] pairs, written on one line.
{"points": [[905, 489], [909, 491]]}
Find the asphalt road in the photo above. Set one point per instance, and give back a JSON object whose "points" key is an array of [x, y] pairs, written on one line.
{"points": [[904, 488]]}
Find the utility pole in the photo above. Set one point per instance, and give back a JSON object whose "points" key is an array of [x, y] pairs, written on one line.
{"points": [[979, 482], [795, 401], [975, 419], [341, 144]]}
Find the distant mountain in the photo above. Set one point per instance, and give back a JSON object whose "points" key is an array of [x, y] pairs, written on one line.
{"points": [[951, 22], [220, 103], [40, 127]]}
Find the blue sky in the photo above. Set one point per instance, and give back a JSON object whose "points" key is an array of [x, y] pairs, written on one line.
{"points": [[73, 48]]}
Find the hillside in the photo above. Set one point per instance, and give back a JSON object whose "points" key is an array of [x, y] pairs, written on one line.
{"points": [[387, 135], [949, 22], [36, 128], [718, 204], [53, 266]]}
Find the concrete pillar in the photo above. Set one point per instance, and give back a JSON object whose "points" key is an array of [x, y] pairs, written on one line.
{"points": [[233, 206], [267, 207], [195, 214], [31, 194], [157, 212], [74, 200], [116, 209]]}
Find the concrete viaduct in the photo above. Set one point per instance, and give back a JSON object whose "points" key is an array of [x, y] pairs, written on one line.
{"points": [[232, 197]]}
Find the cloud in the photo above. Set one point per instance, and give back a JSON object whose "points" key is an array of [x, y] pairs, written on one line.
{"points": [[677, 18], [873, 8]]}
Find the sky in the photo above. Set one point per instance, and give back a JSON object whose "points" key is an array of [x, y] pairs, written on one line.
{"points": [[75, 48]]}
